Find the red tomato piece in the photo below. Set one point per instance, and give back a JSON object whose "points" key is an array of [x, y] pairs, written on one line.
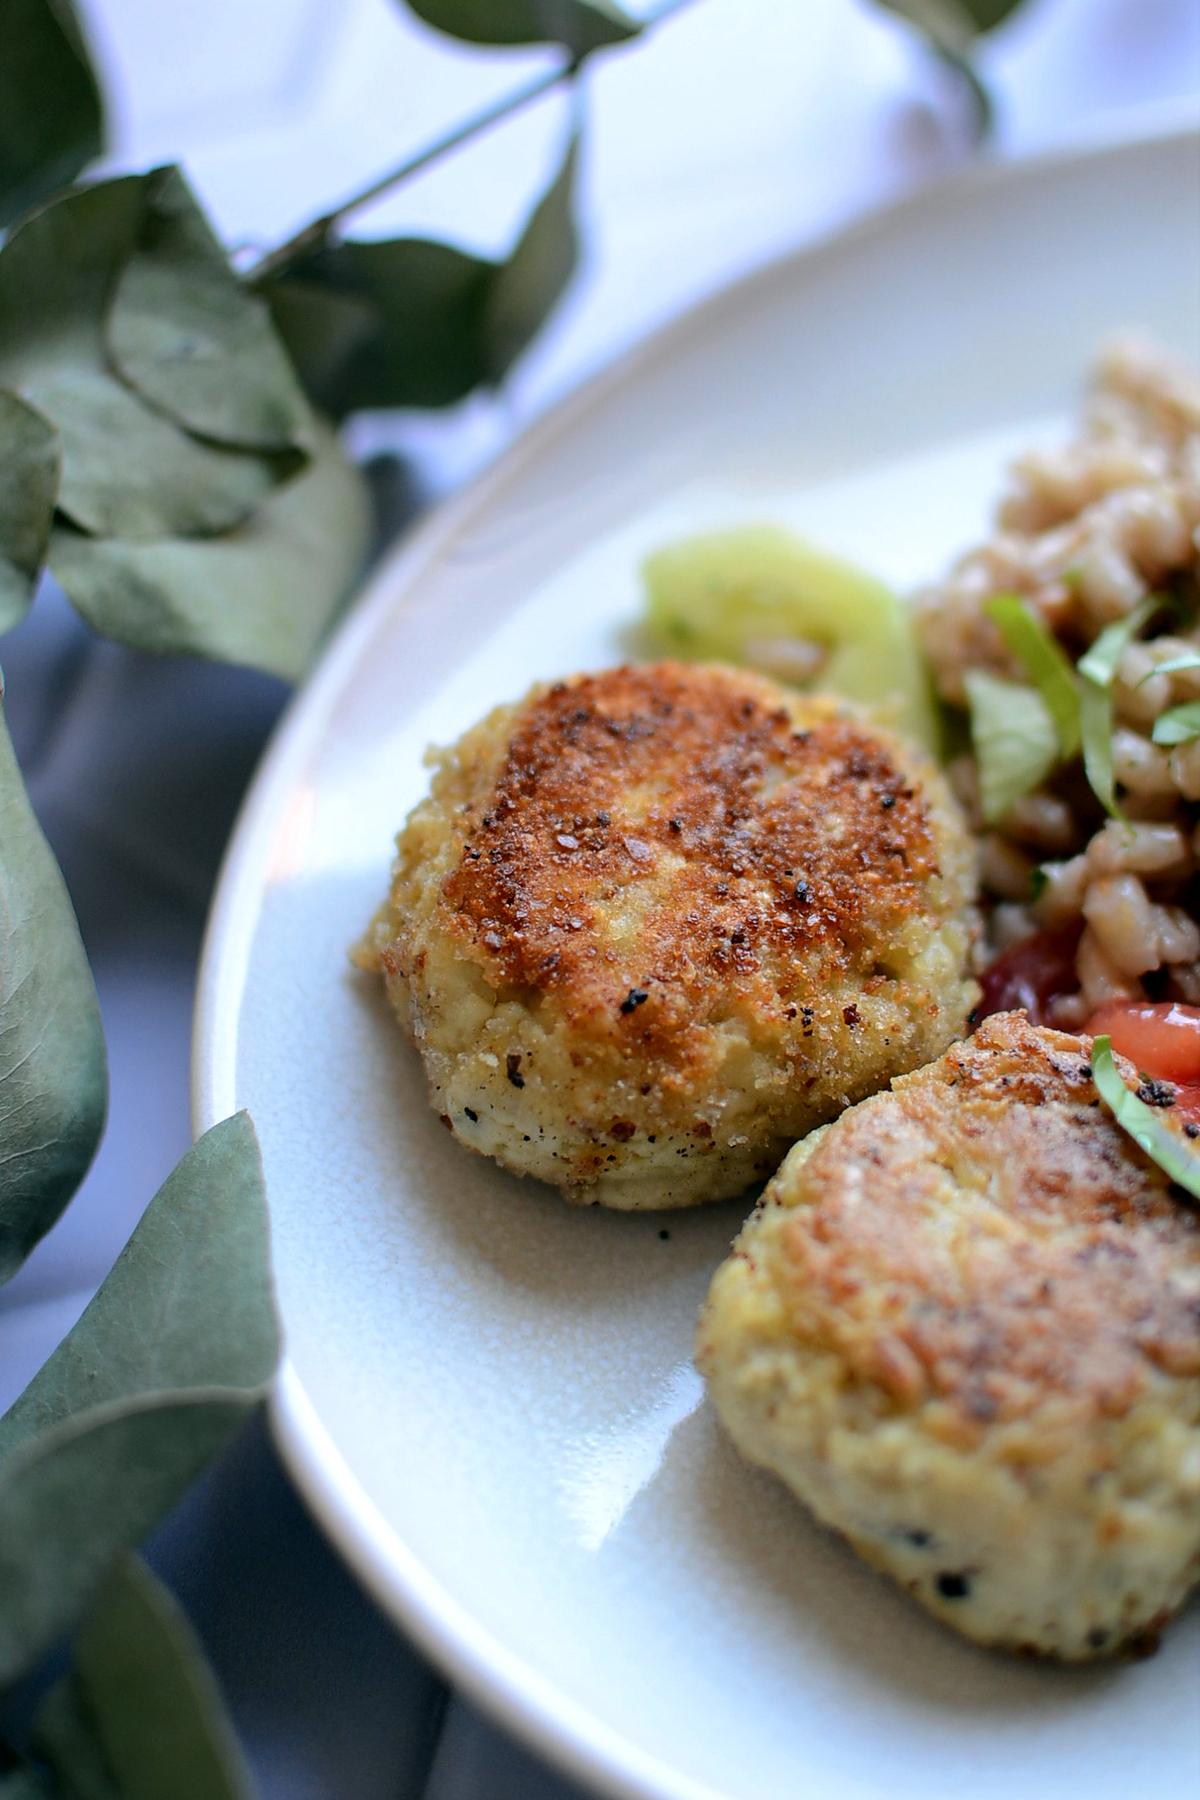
{"points": [[1032, 973], [1161, 1038]]}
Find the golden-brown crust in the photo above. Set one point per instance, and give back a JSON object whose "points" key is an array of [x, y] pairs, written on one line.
{"points": [[756, 833], [986, 1239]]}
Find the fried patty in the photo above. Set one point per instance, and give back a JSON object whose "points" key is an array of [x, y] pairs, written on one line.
{"points": [[653, 924], [964, 1326]]}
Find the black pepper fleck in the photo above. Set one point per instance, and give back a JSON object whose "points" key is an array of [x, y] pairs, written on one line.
{"points": [[953, 1586], [471, 1114], [887, 802], [512, 1065], [801, 891], [634, 998]]}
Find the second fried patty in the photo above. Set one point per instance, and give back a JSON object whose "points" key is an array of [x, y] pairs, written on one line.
{"points": [[964, 1326], [655, 923]]}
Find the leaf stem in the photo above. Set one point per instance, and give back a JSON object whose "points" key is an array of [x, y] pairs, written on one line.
{"points": [[313, 235]]}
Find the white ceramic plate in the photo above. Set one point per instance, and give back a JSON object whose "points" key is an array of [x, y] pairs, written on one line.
{"points": [[488, 1397]]}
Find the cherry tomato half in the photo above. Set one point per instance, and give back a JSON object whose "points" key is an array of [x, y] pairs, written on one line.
{"points": [[1162, 1039]]}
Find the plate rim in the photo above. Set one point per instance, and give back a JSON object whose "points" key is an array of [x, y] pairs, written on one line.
{"points": [[506, 1687]]}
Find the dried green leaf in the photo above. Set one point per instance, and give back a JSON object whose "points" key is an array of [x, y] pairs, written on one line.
{"points": [[63, 1736], [73, 1498], [128, 472], [405, 322], [581, 26], [127, 469], [187, 1303], [263, 595], [425, 305], [53, 1073], [192, 338], [952, 26], [177, 1347], [150, 1696], [526, 288], [31, 1784], [30, 460], [51, 118]]}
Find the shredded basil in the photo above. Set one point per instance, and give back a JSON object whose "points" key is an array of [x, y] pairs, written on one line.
{"points": [[1014, 739], [1098, 668], [1175, 665], [1179, 725], [1044, 661], [1162, 1145]]}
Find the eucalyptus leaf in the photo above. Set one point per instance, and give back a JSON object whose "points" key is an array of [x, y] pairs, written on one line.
{"points": [[29, 469], [952, 26], [31, 1784], [525, 289], [143, 1685], [53, 1072], [407, 322], [177, 1347], [424, 304], [581, 26], [187, 1303], [263, 595], [128, 472], [191, 337], [51, 117], [127, 468], [73, 1498], [63, 1736]]}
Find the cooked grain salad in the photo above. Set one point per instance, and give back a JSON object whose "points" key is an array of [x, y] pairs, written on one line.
{"points": [[1069, 645]]}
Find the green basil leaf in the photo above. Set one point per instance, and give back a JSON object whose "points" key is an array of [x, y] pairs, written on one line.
{"points": [[1096, 722], [1099, 668], [51, 118], [127, 468], [525, 289], [1014, 739], [405, 322], [30, 461], [175, 1350], [1100, 663], [263, 595], [191, 337], [1188, 659], [53, 1073], [1045, 663], [1178, 725], [1144, 1123], [581, 26], [142, 1689]]}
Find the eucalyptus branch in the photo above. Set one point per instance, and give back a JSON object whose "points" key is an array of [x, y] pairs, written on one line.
{"points": [[311, 236]]}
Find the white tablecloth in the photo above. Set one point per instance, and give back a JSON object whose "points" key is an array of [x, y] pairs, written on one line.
{"points": [[745, 127]]}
